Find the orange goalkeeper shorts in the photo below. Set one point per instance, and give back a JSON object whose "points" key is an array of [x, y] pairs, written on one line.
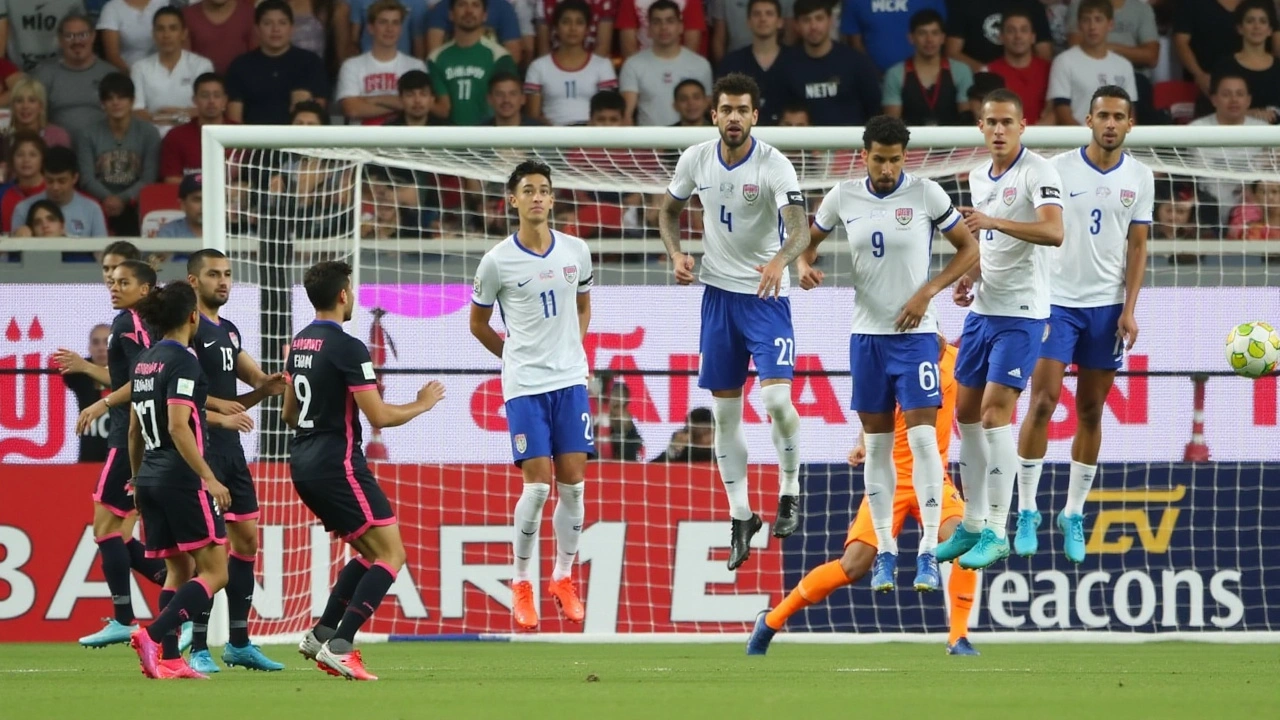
{"points": [[904, 503]]}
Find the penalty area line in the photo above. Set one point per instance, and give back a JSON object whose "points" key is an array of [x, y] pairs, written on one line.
{"points": [[958, 670]]}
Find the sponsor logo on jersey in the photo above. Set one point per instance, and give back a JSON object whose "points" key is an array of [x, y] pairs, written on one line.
{"points": [[546, 274], [571, 274], [475, 285], [1127, 197], [904, 215], [751, 192], [1010, 194], [521, 443]]}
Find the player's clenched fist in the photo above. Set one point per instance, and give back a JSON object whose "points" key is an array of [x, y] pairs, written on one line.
{"points": [[810, 277], [684, 268], [963, 292], [430, 394], [221, 495]]}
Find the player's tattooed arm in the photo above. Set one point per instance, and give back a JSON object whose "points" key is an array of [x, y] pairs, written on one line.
{"points": [[796, 223], [669, 230]]}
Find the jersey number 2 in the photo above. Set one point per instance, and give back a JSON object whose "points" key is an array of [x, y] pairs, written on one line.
{"points": [[146, 411], [302, 388]]}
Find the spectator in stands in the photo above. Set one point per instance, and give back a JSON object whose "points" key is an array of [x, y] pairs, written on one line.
{"points": [[839, 85], [191, 224], [25, 176], [181, 147], [926, 88], [28, 111], [118, 156], [93, 442], [599, 36], [1175, 214], [636, 16], [1254, 62], [498, 24], [506, 101], [694, 441], [33, 29], [311, 22], [649, 77], [1204, 32], [72, 78], [608, 109], [415, 99], [221, 30], [764, 59], [1231, 101], [354, 34], [82, 213], [1056, 12], [45, 220], [692, 104], [368, 84], [308, 112], [881, 30], [795, 115], [10, 76], [1080, 70], [973, 30], [618, 438], [1133, 36], [983, 84], [560, 85], [125, 27], [163, 81], [461, 68], [1259, 217], [1024, 72], [262, 83], [731, 27]]}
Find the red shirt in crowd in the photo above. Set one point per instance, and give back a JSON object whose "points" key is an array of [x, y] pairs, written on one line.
{"points": [[1031, 83]]}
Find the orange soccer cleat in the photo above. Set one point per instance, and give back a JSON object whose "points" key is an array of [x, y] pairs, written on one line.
{"points": [[345, 665], [177, 669], [523, 608], [565, 596]]}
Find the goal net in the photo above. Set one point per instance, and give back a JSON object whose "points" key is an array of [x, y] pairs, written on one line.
{"points": [[1178, 526]]}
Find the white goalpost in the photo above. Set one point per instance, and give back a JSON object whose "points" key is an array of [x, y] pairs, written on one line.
{"points": [[1180, 525]]}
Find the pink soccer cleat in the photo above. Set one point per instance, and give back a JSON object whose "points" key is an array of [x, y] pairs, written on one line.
{"points": [[348, 665], [148, 652], [177, 669]]}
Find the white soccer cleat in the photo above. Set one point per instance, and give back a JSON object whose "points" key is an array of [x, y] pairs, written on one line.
{"points": [[310, 645]]}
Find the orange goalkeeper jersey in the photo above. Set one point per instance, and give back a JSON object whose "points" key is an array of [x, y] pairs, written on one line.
{"points": [[946, 415]]}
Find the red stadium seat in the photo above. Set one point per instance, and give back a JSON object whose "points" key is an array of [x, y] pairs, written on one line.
{"points": [[158, 204]]}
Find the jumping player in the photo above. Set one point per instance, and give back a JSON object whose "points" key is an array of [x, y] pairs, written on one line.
{"points": [[890, 218], [541, 279], [1096, 280], [331, 375], [751, 201]]}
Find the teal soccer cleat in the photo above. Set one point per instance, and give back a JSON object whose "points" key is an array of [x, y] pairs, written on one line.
{"points": [[184, 638], [991, 548], [249, 656], [958, 544], [202, 662], [1072, 527], [1025, 541], [112, 634]]}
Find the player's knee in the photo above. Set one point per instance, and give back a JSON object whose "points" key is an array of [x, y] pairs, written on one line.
{"points": [[537, 492], [246, 545], [215, 576], [777, 399], [856, 560], [1043, 404], [1089, 413], [393, 557]]}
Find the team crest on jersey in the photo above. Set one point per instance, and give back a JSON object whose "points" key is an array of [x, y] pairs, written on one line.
{"points": [[571, 274], [521, 443], [904, 215], [751, 192], [726, 190], [235, 340], [1127, 197], [1010, 194]]}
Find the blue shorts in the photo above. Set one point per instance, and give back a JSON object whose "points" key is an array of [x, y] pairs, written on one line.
{"points": [[1085, 336], [738, 328], [891, 370], [551, 424], [999, 349]]}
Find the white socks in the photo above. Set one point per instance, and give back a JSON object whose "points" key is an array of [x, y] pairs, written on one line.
{"points": [[926, 478], [731, 454], [973, 475], [528, 520], [1029, 482], [1081, 481], [1002, 471], [786, 435], [881, 481], [567, 521]]}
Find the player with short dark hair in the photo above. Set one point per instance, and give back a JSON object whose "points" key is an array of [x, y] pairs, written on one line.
{"points": [[331, 374], [218, 347], [178, 495]]}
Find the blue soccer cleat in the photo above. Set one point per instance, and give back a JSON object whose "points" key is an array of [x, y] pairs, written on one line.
{"points": [[184, 638], [991, 548], [112, 634], [1026, 541], [249, 656], [761, 636], [927, 577], [958, 544], [1072, 527], [882, 572], [962, 647], [202, 662]]}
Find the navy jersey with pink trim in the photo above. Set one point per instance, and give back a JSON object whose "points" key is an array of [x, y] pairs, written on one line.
{"points": [[166, 375], [128, 338], [326, 367], [217, 347]]}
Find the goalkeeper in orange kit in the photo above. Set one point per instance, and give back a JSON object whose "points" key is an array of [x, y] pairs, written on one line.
{"points": [[860, 545]]}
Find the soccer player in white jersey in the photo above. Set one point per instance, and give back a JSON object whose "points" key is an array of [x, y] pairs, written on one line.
{"points": [[1017, 216], [751, 202], [541, 279], [890, 218], [1096, 279]]}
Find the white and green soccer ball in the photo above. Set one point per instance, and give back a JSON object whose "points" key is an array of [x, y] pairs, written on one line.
{"points": [[1253, 348]]}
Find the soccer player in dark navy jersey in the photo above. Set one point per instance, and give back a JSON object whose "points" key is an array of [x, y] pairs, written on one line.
{"points": [[218, 347], [178, 495], [331, 374]]}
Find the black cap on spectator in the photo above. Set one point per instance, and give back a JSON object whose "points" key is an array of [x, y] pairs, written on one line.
{"points": [[191, 183]]}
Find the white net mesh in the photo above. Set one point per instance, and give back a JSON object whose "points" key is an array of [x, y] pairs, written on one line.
{"points": [[1172, 546]]}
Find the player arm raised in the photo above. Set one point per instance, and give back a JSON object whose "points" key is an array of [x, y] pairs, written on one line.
{"points": [[69, 362], [384, 415], [185, 442]]}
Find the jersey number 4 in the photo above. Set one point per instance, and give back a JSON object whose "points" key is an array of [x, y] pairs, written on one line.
{"points": [[726, 217]]}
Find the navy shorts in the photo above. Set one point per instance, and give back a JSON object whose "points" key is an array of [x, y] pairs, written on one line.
{"points": [[232, 471], [738, 328], [891, 370], [177, 520], [1085, 337], [551, 424], [348, 506], [999, 349], [113, 490]]}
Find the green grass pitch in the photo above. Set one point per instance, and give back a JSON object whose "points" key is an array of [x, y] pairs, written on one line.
{"points": [[527, 681]]}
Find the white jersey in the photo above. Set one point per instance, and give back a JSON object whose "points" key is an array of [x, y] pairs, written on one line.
{"points": [[538, 298], [892, 241], [1098, 208], [742, 225], [1015, 273], [567, 92], [364, 75]]}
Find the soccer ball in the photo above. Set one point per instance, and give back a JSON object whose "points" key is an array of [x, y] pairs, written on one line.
{"points": [[1253, 349]]}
